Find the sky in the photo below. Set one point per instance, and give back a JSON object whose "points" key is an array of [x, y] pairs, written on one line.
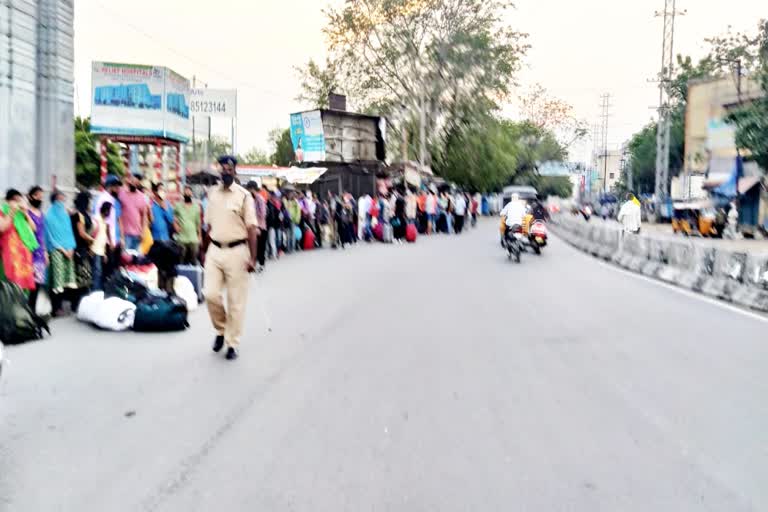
{"points": [[580, 50]]}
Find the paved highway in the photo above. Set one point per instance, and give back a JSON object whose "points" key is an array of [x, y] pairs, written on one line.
{"points": [[434, 377]]}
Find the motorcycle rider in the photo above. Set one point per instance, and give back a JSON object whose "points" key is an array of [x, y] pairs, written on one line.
{"points": [[538, 210], [513, 213]]}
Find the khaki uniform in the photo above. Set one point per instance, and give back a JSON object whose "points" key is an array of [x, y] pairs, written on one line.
{"points": [[230, 214]]}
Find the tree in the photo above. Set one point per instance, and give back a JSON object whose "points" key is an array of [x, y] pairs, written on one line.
{"points": [[317, 83], [751, 119], [450, 59], [282, 147], [553, 115], [559, 186], [254, 157], [88, 158]]}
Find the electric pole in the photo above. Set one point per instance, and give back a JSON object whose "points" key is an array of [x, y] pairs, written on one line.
{"points": [[665, 121], [605, 107]]}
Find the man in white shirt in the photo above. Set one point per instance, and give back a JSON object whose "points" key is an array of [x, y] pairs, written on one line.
{"points": [[431, 209], [514, 212], [630, 215]]}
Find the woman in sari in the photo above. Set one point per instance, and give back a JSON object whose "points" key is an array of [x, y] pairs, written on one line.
{"points": [[82, 228], [39, 255], [17, 241], [61, 251]]}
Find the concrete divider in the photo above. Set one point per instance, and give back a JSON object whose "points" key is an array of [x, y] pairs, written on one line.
{"points": [[733, 276]]}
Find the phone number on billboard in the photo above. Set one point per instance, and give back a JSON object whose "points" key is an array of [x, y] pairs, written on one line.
{"points": [[208, 107]]}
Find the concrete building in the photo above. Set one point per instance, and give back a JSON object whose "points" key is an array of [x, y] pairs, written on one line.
{"points": [[608, 166], [36, 93]]}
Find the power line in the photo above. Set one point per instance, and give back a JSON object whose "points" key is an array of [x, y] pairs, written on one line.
{"points": [[165, 44]]}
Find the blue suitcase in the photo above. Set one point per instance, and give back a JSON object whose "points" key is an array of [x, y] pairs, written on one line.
{"points": [[195, 275]]}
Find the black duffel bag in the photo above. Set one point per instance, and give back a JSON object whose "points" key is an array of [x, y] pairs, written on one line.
{"points": [[159, 312]]}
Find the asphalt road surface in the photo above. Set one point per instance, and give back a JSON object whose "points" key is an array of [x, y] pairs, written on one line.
{"points": [[433, 377]]}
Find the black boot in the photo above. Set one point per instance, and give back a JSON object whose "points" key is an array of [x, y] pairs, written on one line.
{"points": [[218, 344], [231, 354]]}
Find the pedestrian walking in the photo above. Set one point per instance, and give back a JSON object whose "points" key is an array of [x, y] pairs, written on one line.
{"points": [[630, 215], [274, 225], [231, 257], [732, 231], [190, 230]]}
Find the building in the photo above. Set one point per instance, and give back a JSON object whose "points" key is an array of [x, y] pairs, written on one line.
{"points": [[608, 166], [36, 94]]}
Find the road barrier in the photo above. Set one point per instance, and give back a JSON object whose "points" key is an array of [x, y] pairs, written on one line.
{"points": [[733, 276]]}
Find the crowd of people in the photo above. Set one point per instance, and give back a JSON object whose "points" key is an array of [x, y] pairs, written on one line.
{"points": [[70, 250]]}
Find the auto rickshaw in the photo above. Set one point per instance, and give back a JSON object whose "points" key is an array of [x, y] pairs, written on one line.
{"points": [[696, 218]]}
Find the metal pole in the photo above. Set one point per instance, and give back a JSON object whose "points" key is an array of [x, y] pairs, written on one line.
{"points": [[234, 151]]}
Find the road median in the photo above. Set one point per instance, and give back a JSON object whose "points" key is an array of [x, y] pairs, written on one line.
{"points": [[738, 277]]}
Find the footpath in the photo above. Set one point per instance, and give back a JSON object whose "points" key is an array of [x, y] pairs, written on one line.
{"points": [[735, 272]]}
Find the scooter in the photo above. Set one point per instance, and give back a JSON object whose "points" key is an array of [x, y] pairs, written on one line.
{"points": [[537, 237], [513, 242]]}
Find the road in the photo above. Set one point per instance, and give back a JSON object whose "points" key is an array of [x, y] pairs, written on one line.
{"points": [[433, 377]]}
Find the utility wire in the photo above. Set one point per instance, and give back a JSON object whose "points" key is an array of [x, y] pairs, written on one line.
{"points": [[164, 44]]}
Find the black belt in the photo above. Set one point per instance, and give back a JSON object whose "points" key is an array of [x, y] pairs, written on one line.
{"points": [[230, 245]]}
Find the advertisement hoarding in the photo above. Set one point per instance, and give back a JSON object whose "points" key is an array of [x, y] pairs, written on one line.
{"points": [[308, 137], [221, 103], [132, 99]]}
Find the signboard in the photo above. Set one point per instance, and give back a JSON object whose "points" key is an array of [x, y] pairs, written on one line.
{"points": [[221, 103], [308, 137], [133, 99], [178, 123]]}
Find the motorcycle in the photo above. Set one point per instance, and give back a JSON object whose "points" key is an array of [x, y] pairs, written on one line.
{"points": [[513, 242], [537, 237]]}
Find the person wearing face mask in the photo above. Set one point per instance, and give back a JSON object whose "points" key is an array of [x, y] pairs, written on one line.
{"points": [[161, 215], [189, 234], [231, 256], [39, 255], [17, 242], [135, 214], [61, 243]]}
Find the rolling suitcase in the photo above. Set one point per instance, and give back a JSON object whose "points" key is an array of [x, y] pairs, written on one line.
{"points": [[195, 275]]}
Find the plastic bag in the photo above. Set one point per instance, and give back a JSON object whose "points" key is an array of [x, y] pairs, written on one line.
{"points": [[43, 307]]}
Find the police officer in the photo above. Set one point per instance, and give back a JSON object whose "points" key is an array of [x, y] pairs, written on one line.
{"points": [[231, 256]]}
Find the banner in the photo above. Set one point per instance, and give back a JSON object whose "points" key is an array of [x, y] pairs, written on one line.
{"points": [[220, 103], [308, 137], [133, 99]]}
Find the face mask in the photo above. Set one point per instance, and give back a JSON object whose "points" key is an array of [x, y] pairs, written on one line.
{"points": [[187, 199], [132, 188], [36, 203], [227, 179]]}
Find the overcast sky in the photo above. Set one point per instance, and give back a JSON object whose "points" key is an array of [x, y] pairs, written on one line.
{"points": [[580, 50]]}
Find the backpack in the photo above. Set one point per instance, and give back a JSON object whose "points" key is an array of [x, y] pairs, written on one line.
{"points": [[160, 313], [18, 323]]}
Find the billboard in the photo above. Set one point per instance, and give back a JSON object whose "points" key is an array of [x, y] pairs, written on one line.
{"points": [[308, 137], [134, 99], [221, 103]]}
